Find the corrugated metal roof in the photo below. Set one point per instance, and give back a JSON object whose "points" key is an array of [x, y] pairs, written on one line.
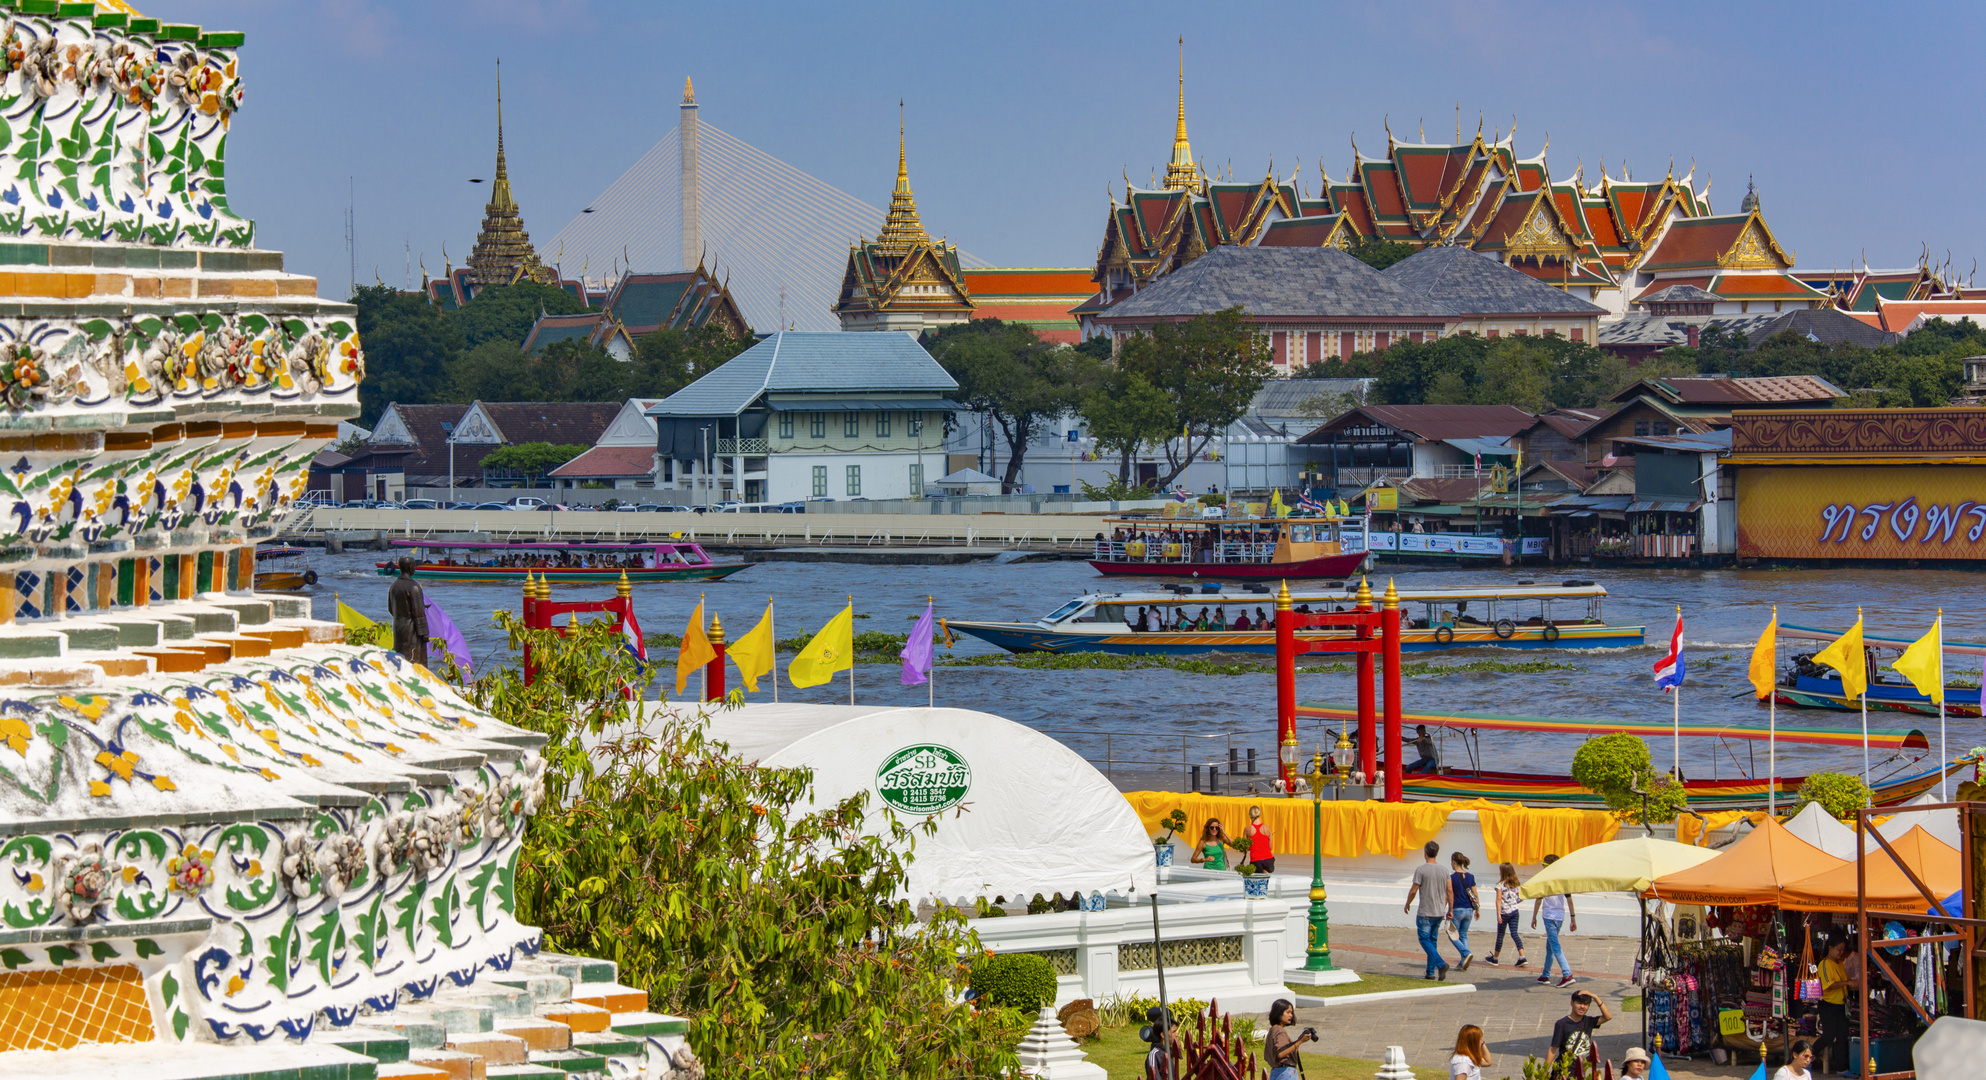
{"points": [[1433, 423], [796, 361]]}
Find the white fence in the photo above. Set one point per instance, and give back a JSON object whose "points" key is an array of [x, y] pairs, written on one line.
{"points": [[1457, 544], [1072, 531]]}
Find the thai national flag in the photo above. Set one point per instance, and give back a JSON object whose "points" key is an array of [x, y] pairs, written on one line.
{"points": [[631, 630], [1669, 669], [1179, 492]]}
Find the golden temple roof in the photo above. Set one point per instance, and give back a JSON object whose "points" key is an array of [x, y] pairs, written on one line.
{"points": [[503, 251], [1181, 174], [902, 231]]}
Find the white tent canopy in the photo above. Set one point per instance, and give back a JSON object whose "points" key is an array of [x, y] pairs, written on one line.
{"points": [[1942, 824], [1017, 812], [1823, 830]]}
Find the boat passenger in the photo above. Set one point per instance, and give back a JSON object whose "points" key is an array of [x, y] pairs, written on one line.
{"points": [[1144, 621], [1241, 621], [1181, 620], [1423, 744], [1220, 618], [1202, 622], [1261, 619]]}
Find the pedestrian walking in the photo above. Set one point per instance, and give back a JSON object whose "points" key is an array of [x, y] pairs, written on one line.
{"points": [[1463, 904], [1431, 886], [1559, 913], [1507, 904]]}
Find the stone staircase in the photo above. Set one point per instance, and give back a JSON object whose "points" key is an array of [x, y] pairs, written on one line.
{"points": [[547, 1018]]}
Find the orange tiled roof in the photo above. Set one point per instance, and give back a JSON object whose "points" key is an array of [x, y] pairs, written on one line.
{"points": [[1695, 242]]}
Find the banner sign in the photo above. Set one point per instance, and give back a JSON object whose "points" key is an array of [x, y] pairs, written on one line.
{"points": [[1439, 543], [1862, 512]]}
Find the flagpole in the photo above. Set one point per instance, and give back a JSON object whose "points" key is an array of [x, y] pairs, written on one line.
{"points": [[931, 676], [1676, 740], [775, 649], [851, 659], [1943, 755], [705, 668], [1865, 734], [1772, 726]]}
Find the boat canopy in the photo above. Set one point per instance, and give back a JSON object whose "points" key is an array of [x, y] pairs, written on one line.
{"points": [[1878, 641], [277, 553], [1807, 734], [547, 545]]}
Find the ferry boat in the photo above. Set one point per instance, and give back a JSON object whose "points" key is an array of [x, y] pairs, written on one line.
{"points": [[282, 569], [1806, 685], [1227, 549], [562, 563], [1521, 616]]}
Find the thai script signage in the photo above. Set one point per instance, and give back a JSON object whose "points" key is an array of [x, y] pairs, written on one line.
{"points": [[1871, 512], [1957, 431], [924, 779]]}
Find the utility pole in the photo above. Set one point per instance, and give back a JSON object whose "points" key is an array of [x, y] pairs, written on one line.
{"points": [[351, 236]]}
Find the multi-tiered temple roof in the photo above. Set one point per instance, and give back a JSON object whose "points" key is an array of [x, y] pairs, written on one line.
{"points": [[902, 280], [503, 252]]}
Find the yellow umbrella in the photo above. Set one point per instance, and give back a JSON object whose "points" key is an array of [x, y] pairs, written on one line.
{"points": [[1615, 866]]}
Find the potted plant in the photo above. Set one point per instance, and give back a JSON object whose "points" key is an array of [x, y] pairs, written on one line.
{"points": [[1253, 881], [1169, 826]]}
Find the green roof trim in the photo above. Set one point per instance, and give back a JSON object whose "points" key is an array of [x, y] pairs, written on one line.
{"points": [[143, 26], [110, 20], [223, 39], [180, 32], [72, 11], [39, 7]]}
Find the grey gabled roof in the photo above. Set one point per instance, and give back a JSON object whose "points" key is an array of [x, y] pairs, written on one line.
{"points": [[1465, 282], [1267, 282], [794, 361], [1681, 294]]}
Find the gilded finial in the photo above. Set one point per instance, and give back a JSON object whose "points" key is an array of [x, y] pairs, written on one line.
{"points": [[544, 586], [1364, 593], [1392, 596], [1181, 174], [624, 590], [716, 630], [1283, 596], [689, 92], [529, 591]]}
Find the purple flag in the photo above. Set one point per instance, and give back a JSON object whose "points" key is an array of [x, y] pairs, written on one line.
{"points": [[441, 628], [916, 652]]}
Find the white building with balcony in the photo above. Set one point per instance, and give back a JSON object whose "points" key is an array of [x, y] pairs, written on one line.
{"points": [[800, 415]]}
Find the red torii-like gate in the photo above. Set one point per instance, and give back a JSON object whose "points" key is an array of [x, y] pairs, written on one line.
{"points": [[539, 611], [1374, 633]]}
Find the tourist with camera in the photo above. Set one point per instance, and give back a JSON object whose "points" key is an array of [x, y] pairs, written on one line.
{"points": [[1572, 1035], [1282, 1048]]}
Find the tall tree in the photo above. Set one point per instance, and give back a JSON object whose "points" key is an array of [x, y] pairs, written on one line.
{"points": [[1208, 368], [408, 345], [667, 360], [506, 313], [1017, 380], [1125, 414]]}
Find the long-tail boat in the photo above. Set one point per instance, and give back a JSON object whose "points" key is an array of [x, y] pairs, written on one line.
{"points": [[1227, 549], [562, 563], [1806, 685]]}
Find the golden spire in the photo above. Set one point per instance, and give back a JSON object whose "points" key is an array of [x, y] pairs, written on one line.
{"points": [[689, 92], [503, 251], [500, 187], [902, 231], [1180, 173]]}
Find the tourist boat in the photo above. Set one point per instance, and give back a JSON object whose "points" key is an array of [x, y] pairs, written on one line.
{"points": [[282, 569], [1227, 549], [1521, 616], [1806, 685], [1470, 781], [594, 563]]}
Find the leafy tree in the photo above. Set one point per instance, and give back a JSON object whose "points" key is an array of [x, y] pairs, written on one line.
{"points": [[667, 360], [1018, 380], [773, 925], [1840, 794], [532, 459], [1209, 368], [1380, 253], [1125, 413], [1618, 769], [408, 345], [505, 313]]}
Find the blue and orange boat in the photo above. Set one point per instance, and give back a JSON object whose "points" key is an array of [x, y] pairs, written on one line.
{"points": [[1806, 685]]}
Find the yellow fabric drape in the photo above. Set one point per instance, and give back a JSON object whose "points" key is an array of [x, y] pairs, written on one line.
{"points": [[1694, 828], [1515, 834]]}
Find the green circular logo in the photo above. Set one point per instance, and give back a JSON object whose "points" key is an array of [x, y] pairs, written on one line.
{"points": [[924, 779]]}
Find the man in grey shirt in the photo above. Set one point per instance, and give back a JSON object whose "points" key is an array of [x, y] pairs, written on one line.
{"points": [[1431, 886]]}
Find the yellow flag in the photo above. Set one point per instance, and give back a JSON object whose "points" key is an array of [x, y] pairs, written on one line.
{"points": [[1923, 663], [1845, 656], [753, 652], [1276, 503], [832, 650], [381, 633], [1765, 657], [696, 651]]}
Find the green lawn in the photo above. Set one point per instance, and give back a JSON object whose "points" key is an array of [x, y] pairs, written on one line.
{"points": [[1367, 984], [1122, 1055]]}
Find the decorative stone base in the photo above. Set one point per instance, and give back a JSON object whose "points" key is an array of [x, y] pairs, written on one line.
{"points": [[1334, 977]]}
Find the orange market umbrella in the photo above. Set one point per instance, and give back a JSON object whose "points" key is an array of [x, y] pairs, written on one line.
{"points": [[1936, 864], [1751, 871]]}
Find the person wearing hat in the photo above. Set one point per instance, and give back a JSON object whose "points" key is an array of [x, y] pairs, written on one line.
{"points": [[1635, 1065]]}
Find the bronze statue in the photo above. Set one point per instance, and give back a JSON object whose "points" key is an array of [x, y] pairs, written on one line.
{"points": [[407, 606]]}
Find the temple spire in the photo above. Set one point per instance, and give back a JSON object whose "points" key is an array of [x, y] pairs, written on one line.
{"points": [[500, 198], [1180, 173], [503, 251], [902, 231], [689, 92]]}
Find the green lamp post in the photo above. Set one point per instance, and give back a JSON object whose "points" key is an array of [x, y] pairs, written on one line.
{"points": [[1318, 955]]}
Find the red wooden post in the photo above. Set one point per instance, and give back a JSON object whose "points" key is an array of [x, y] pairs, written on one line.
{"points": [[1389, 629], [1368, 713], [1286, 688], [713, 673], [530, 623]]}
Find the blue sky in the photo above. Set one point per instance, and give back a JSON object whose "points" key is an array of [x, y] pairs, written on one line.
{"points": [[1858, 121]]}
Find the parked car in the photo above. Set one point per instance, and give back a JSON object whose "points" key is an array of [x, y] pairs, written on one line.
{"points": [[491, 506], [526, 502], [420, 504], [647, 508], [543, 506]]}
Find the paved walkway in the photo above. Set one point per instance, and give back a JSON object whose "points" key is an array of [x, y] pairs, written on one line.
{"points": [[1515, 1011]]}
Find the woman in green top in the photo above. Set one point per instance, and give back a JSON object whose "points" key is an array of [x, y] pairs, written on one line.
{"points": [[1212, 850]]}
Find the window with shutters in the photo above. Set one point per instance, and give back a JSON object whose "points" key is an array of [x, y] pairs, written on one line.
{"points": [[817, 425], [820, 481], [883, 425], [851, 425], [854, 480], [786, 425]]}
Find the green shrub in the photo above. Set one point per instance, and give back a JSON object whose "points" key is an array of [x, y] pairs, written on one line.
{"points": [[1211, 499], [1130, 1012], [1024, 981], [1837, 793], [1613, 766]]}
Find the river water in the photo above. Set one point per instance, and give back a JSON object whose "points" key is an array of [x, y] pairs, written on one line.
{"points": [[1161, 717]]}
